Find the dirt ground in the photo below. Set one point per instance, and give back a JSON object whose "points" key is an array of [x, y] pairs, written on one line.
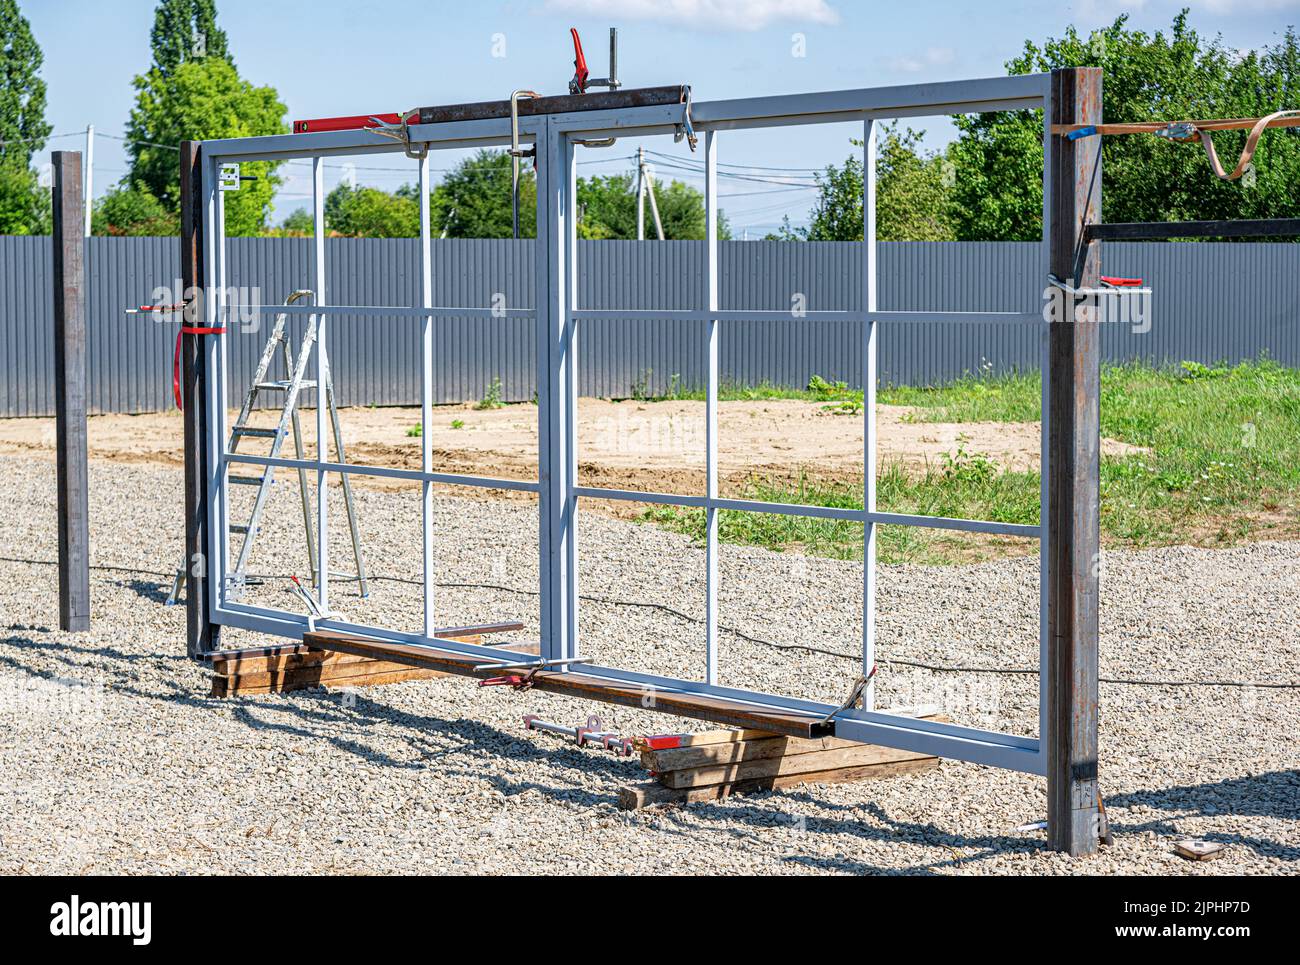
{"points": [[657, 446]]}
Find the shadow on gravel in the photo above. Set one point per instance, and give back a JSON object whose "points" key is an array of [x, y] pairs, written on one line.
{"points": [[1272, 795], [883, 829], [151, 590]]}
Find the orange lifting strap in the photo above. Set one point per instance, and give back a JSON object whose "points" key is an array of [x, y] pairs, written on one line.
{"points": [[1193, 130]]}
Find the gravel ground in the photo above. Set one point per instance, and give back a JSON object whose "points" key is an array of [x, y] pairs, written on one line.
{"points": [[117, 761]]}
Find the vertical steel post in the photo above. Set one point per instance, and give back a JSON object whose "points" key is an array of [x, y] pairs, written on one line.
{"points": [[201, 634], [869, 278], [322, 379], [70, 392], [555, 396], [711, 408], [426, 393], [1074, 449]]}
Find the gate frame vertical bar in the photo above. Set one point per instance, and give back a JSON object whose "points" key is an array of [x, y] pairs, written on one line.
{"points": [[70, 387], [870, 278], [322, 379], [555, 400], [1074, 441], [711, 408], [426, 396]]}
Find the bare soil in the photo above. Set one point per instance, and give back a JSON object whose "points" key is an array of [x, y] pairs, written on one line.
{"points": [[653, 446]]}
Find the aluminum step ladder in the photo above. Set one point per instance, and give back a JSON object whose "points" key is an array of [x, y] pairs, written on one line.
{"points": [[292, 385]]}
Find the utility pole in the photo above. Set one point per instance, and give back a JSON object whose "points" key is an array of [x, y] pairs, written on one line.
{"points": [[90, 173], [640, 194]]}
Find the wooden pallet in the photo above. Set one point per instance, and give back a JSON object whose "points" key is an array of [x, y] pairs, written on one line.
{"points": [[273, 670], [715, 764]]}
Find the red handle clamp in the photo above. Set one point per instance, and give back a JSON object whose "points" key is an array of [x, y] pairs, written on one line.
{"points": [[580, 72]]}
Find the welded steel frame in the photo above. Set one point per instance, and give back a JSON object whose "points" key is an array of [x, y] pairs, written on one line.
{"points": [[559, 320]]}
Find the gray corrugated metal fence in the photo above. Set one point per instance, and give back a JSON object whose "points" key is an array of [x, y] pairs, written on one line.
{"points": [[1212, 302]]}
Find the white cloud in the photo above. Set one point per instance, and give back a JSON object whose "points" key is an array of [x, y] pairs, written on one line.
{"points": [[1244, 6], [725, 14], [932, 57]]}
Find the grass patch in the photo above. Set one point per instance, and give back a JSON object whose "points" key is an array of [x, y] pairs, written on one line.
{"points": [[963, 485], [1223, 466]]}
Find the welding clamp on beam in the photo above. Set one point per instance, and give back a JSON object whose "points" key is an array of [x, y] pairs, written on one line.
{"points": [[581, 76], [522, 681], [401, 132]]}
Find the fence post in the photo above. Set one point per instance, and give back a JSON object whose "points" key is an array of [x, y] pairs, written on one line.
{"points": [[201, 634], [1074, 460], [70, 391]]}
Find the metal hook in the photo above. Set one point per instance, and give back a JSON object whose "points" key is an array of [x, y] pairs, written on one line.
{"points": [[686, 129]]}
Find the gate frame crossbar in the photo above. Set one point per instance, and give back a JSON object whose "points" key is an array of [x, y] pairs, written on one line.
{"points": [[559, 317]]}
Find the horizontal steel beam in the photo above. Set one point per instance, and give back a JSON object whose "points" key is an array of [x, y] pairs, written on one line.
{"points": [[388, 472], [1160, 230], [380, 311], [618, 100], [822, 512], [832, 315], [911, 100], [905, 735]]}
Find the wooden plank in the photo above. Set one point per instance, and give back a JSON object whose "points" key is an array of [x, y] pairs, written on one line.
{"points": [[763, 747], [1073, 445], [72, 481], [652, 793], [316, 668], [859, 755], [557, 104], [300, 678], [716, 709], [235, 686], [705, 738], [288, 656]]}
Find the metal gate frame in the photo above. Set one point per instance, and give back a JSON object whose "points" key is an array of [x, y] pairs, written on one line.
{"points": [[558, 322]]}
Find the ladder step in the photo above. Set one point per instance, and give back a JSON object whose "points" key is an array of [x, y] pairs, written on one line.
{"points": [[285, 383], [245, 480], [238, 528], [260, 433]]}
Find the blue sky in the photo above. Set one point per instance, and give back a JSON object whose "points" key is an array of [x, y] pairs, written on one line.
{"points": [[328, 57]]}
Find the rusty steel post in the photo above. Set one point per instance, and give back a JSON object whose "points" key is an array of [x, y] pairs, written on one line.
{"points": [[1074, 453], [70, 391]]}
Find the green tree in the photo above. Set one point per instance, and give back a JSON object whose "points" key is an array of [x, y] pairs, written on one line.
{"points": [[132, 211], [912, 195], [299, 223], [185, 30], [24, 205], [362, 212], [607, 209], [1178, 75], [203, 99], [474, 199]]}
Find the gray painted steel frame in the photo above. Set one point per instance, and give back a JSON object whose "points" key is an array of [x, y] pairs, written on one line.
{"points": [[558, 325]]}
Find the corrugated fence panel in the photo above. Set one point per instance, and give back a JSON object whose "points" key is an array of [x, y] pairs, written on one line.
{"points": [[1212, 302]]}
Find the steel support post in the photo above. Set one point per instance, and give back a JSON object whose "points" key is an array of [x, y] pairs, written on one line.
{"points": [[1074, 173], [201, 634], [70, 392]]}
